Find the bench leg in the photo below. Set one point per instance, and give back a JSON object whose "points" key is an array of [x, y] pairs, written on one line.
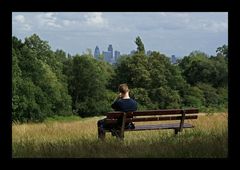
{"points": [[176, 131], [101, 129], [101, 134], [119, 135]]}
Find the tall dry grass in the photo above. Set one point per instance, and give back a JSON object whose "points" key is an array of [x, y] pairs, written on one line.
{"points": [[78, 139]]}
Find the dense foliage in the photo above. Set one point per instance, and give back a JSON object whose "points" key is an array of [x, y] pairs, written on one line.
{"points": [[46, 83]]}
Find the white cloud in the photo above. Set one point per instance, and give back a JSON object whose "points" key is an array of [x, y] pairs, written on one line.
{"points": [[210, 26], [48, 19], [216, 26], [21, 23], [95, 19], [27, 27], [19, 18], [69, 22]]}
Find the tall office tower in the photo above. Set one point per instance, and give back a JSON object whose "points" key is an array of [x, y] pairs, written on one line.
{"points": [[107, 56], [110, 49], [173, 59], [96, 52], [116, 54]]}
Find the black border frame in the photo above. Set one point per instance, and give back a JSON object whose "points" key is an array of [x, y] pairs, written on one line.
{"points": [[7, 7]]}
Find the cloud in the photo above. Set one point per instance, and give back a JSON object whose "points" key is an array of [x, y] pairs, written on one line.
{"points": [[210, 26], [215, 26], [192, 21], [69, 22], [95, 19], [20, 20], [48, 20], [160, 21]]}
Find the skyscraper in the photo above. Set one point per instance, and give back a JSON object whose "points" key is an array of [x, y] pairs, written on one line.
{"points": [[96, 52], [107, 56], [116, 55], [173, 59], [110, 49]]}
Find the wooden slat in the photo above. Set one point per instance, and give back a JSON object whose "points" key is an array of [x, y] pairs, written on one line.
{"points": [[152, 112], [159, 126], [146, 119]]}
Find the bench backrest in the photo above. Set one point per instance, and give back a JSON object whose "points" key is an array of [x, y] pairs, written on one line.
{"points": [[154, 115]]}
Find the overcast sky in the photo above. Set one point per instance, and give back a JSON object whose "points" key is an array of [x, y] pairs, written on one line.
{"points": [[170, 33]]}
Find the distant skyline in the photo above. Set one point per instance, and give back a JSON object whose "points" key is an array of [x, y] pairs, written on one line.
{"points": [[170, 33]]}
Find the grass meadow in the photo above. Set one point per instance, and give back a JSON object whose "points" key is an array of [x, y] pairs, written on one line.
{"points": [[77, 138]]}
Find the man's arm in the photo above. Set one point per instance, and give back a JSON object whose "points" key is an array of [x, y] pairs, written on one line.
{"points": [[115, 103]]}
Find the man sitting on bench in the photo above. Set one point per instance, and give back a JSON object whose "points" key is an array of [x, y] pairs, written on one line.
{"points": [[122, 103]]}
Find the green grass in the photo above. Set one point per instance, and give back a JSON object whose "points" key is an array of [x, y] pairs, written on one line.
{"points": [[78, 139], [62, 118]]}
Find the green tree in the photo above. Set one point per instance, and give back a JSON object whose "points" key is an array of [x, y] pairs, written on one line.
{"points": [[122, 68], [223, 97], [88, 86], [197, 67], [142, 98], [16, 81], [194, 97], [219, 72], [42, 48], [165, 97], [28, 109], [157, 68], [140, 45], [212, 99], [138, 71], [39, 87], [222, 51]]}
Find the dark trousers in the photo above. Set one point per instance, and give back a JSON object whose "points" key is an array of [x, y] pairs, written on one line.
{"points": [[114, 128], [102, 127]]}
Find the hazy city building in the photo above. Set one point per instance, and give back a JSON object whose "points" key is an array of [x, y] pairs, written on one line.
{"points": [[110, 49], [107, 56], [173, 59], [149, 52], [96, 52], [116, 55]]}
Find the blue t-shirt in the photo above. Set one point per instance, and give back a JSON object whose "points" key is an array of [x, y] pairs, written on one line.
{"points": [[125, 105]]}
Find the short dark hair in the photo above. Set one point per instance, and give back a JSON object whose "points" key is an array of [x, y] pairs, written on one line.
{"points": [[123, 88]]}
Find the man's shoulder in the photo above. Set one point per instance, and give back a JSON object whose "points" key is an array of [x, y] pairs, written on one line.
{"points": [[133, 100], [126, 100]]}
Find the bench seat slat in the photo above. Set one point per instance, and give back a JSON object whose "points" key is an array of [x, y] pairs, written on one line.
{"points": [[160, 126], [146, 119], [152, 112]]}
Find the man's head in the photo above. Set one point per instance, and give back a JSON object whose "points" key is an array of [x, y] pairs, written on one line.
{"points": [[123, 89]]}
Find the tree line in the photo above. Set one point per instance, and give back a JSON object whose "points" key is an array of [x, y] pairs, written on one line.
{"points": [[47, 83]]}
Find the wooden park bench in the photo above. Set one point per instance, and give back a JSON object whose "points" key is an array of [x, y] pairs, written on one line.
{"points": [[171, 115]]}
